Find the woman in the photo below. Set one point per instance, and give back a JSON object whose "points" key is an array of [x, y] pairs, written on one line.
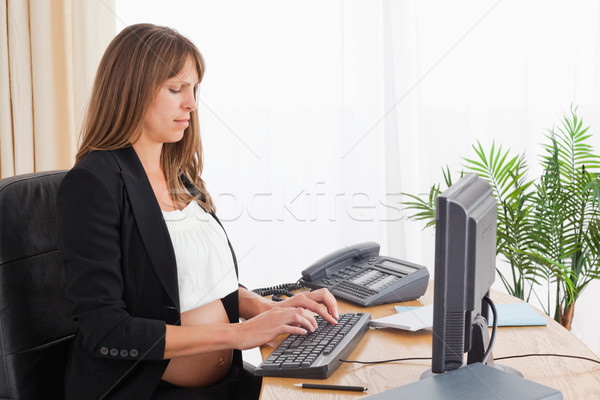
{"points": [[152, 276]]}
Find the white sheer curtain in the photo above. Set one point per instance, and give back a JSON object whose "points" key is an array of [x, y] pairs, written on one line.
{"points": [[316, 115], [502, 71]]}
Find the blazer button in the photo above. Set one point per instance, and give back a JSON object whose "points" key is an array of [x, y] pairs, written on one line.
{"points": [[114, 352], [133, 353], [124, 353], [104, 351]]}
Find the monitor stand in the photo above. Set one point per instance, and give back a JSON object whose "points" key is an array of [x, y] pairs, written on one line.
{"points": [[460, 385], [479, 344]]}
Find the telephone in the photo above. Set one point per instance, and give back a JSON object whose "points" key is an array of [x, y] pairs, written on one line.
{"points": [[360, 275]]}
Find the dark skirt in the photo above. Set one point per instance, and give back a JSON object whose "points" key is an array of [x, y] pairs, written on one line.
{"points": [[238, 384]]}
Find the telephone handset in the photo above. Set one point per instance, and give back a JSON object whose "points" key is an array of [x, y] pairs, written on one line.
{"points": [[360, 275]]}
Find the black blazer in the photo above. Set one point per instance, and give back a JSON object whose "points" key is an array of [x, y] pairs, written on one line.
{"points": [[122, 278]]}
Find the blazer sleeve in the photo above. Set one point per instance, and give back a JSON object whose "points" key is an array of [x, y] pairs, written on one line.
{"points": [[89, 228]]}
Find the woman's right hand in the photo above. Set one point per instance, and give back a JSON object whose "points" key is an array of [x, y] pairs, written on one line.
{"points": [[266, 326]]}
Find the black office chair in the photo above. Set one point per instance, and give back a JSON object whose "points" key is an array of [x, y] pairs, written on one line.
{"points": [[35, 327]]}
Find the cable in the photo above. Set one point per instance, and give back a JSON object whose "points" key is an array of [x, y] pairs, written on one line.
{"points": [[487, 353], [385, 361], [282, 289], [548, 355], [495, 358]]}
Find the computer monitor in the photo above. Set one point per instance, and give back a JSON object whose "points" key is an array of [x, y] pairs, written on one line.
{"points": [[465, 267]]}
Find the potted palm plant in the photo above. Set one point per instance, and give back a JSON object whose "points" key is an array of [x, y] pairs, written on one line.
{"points": [[549, 227]]}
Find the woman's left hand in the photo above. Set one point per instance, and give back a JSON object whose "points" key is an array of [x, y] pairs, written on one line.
{"points": [[320, 301]]}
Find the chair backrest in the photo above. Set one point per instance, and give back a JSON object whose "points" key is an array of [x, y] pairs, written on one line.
{"points": [[35, 327]]}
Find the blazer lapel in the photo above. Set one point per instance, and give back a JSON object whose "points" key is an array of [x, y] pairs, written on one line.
{"points": [[148, 216]]}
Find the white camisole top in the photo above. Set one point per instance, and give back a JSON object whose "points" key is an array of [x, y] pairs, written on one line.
{"points": [[205, 270]]}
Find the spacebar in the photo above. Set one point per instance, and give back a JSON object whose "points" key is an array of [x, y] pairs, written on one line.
{"points": [[294, 364]]}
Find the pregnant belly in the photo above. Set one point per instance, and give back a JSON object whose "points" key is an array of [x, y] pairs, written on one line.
{"points": [[203, 369]]}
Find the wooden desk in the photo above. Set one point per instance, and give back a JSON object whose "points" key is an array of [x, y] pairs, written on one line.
{"points": [[576, 379]]}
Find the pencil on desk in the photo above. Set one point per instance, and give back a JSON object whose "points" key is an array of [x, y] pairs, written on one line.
{"points": [[331, 387]]}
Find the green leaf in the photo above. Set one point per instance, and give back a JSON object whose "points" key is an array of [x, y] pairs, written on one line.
{"points": [[548, 228]]}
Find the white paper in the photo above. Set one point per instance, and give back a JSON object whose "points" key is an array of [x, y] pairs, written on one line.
{"points": [[412, 320]]}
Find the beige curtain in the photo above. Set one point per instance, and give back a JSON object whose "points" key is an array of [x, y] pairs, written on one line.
{"points": [[49, 52]]}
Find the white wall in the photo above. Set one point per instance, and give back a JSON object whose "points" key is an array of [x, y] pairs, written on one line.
{"points": [[315, 115]]}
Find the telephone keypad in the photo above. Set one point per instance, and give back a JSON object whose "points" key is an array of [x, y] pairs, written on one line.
{"points": [[382, 282], [358, 291], [366, 277], [359, 275]]}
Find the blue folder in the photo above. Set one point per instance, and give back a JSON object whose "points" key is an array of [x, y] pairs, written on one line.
{"points": [[511, 314], [517, 314]]}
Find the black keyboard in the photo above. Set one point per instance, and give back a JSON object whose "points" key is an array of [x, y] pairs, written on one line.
{"points": [[316, 354]]}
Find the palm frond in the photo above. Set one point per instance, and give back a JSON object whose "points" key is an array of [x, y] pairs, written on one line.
{"points": [[548, 229]]}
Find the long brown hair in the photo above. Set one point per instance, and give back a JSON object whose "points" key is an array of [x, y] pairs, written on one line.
{"points": [[134, 66]]}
